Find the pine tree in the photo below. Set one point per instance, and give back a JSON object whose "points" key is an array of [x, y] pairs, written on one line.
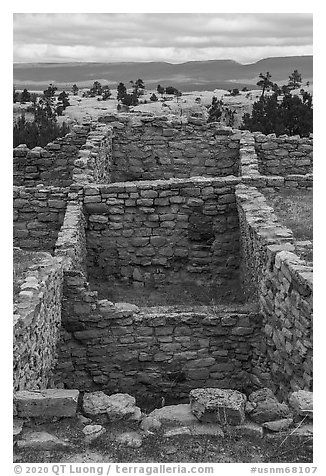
{"points": [[295, 80], [265, 82], [121, 91]]}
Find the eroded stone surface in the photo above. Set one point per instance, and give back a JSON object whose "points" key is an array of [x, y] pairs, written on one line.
{"points": [[95, 403], [270, 410], [122, 406], [261, 395], [302, 403], [218, 405]]}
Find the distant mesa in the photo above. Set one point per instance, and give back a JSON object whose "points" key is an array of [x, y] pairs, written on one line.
{"points": [[193, 75]]}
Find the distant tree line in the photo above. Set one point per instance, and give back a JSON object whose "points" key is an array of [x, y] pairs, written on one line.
{"points": [[44, 127]]}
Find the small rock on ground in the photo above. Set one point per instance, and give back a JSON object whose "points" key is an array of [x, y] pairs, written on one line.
{"points": [[93, 431], [150, 424], [130, 438], [278, 425]]}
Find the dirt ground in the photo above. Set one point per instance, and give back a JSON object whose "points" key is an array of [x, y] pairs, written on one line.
{"points": [[157, 448]]}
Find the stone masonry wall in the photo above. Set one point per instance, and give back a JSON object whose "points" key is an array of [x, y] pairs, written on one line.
{"points": [[51, 165], [38, 215], [71, 241], [151, 148], [251, 168], [155, 351], [94, 161], [160, 231], [284, 155], [282, 283], [36, 322]]}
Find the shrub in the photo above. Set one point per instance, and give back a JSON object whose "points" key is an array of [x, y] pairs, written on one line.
{"points": [[294, 115], [41, 131]]}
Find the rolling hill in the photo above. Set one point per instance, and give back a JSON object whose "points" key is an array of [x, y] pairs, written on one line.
{"points": [[193, 75]]}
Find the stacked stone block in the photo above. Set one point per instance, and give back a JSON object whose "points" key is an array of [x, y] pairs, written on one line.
{"points": [[163, 231], [284, 154], [94, 160], [282, 283], [152, 148], [36, 323], [51, 165], [38, 215], [157, 350]]}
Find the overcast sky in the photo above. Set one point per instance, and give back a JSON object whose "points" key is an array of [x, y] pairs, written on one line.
{"points": [[171, 37]]}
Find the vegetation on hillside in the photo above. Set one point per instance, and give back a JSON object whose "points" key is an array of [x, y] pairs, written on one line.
{"points": [[288, 114], [44, 128], [217, 110]]}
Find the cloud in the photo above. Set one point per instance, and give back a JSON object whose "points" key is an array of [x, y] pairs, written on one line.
{"points": [[173, 37]]}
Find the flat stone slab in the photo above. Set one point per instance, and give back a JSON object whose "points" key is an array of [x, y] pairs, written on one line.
{"points": [[196, 429], [248, 428], [278, 425], [46, 403], [215, 405], [206, 429], [41, 440], [177, 431], [173, 415]]}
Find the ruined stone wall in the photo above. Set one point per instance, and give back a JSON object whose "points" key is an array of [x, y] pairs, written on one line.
{"points": [[71, 241], [38, 215], [151, 148], [117, 347], [282, 283], [36, 320], [284, 155], [160, 231], [254, 173], [51, 165], [94, 161]]}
